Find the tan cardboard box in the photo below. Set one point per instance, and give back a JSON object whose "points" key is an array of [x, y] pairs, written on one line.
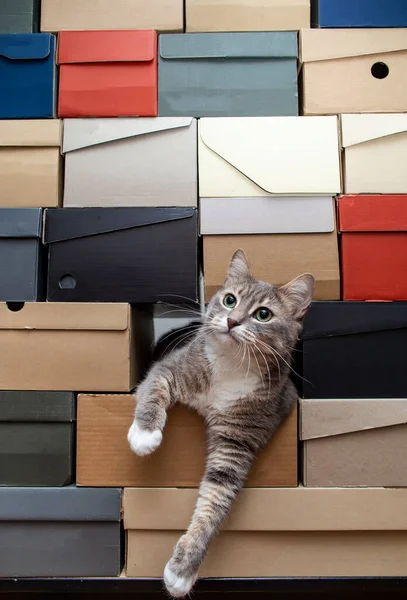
{"points": [[247, 15], [104, 458], [353, 70], [162, 15], [30, 163], [70, 347], [354, 443], [300, 532]]}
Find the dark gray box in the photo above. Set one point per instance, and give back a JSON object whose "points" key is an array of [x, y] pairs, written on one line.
{"points": [[19, 16], [37, 438], [60, 532], [22, 257]]}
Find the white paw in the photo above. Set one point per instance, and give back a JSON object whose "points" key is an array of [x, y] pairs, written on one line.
{"points": [[177, 587], [143, 442]]}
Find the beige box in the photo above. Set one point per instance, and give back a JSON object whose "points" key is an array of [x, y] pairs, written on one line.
{"points": [[300, 532], [73, 346], [354, 443], [162, 15], [353, 70], [247, 15], [374, 153], [104, 458], [30, 163]]}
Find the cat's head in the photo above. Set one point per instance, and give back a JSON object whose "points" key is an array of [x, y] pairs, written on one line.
{"points": [[266, 318]]}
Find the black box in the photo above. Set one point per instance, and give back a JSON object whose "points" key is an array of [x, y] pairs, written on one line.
{"points": [[22, 276], [122, 254], [355, 350]]}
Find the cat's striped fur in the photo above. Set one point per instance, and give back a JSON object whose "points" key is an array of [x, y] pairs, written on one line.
{"points": [[238, 379]]}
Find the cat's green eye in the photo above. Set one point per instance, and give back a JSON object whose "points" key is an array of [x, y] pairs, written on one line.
{"points": [[263, 314], [229, 301]]}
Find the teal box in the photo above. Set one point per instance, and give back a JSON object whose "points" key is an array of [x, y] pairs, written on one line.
{"points": [[228, 74], [19, 16]]}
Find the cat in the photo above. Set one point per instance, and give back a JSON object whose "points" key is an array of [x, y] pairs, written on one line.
{"points": [[234, 370]]}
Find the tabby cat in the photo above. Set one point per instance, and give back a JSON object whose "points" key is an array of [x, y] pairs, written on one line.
{"points": [[234, 370]]}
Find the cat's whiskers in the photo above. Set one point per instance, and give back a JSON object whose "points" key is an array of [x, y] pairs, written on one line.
{"points": [[183, 338], [288, 365], [267, 366], [248, 368], [258, 366], [194, 327]]}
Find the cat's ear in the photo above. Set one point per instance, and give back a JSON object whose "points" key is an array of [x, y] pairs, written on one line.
{"points": [[238, 267], [298, 294]]}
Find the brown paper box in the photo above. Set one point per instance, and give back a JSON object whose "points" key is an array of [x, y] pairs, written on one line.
{"points": [[105, 459], [299, 532], [354, 443], [247, 15], [70, 347], [338, 70], [30, 163]]}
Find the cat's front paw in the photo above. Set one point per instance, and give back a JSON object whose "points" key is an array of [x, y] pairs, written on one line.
{"points": [[178, 584], [142, 441]]}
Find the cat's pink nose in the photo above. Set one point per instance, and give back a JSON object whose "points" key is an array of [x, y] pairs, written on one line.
{"points": [[232, 323]]}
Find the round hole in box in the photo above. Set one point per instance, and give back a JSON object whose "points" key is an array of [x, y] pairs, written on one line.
{"points": [[380, 70], [15, 306], [67, 282]]}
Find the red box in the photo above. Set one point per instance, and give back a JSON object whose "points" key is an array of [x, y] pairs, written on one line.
{"points": [[373, 247], [108, 74]]}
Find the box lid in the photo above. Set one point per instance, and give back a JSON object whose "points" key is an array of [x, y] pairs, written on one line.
{"points": [[60, 504], [360, 128], [41, 132], [321, 418], [329, 44], [74, 223], [20, 222], [274, 509], [75, 316], [275, 44], [25, 46], [329, 319], [82, 133], [361, 213], [106, 46], [32, 406], [308, 214]]}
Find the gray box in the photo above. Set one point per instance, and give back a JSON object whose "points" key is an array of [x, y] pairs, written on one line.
{"points": [[22, 256], [60, 532], [37, 438], [19, 16], [228, 74]]}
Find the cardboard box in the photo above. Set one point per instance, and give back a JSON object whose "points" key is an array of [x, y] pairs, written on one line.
{"points": [[30, 163], [69, 347], [130, 162], [355, 350], [228, 74], [359, 13], [161, 15], [122, 254], [19, 16], [251, 157], [22, 257], [373, 247], [374, 153], [354, 443], [282, 238], [353, 71], [246, 15], [300, 532], [37, 438], [27, 64], [105, 459], [60, 532], [107, 73]]}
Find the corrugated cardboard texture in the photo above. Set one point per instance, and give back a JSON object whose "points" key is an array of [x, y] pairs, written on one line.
{"points": [[37, 407], [19, 16], [276, 259], [105, 459], [162, 15], [339, 72], [246, 15]]}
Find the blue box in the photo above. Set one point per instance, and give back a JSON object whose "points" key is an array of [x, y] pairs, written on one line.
{"points": [[27, 76], [359, 13]]}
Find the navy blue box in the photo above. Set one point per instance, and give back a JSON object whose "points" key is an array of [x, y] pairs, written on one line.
{"points": [[27, 76], [359, 13]]}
